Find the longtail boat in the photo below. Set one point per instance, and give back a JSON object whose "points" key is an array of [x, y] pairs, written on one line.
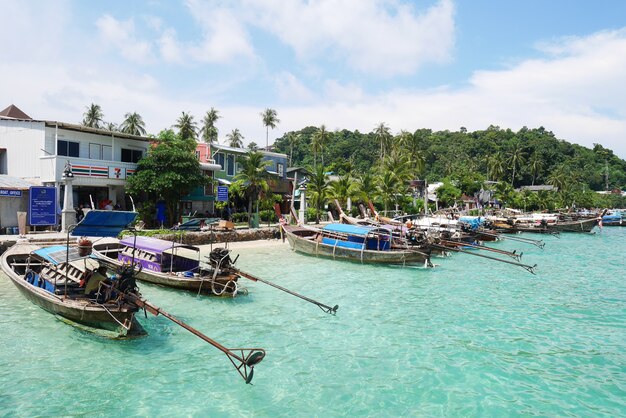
{"points": [[363, 244], [51, 278], [168, 264]]}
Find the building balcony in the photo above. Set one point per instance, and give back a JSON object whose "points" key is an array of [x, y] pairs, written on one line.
{"points": [[86, 171]]}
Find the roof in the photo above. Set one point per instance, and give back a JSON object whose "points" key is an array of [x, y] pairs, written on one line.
{"points": [[104, 223], [348, 229], [154, 245], [7, 182], [220, 147], [538, 188], [14, 112]]}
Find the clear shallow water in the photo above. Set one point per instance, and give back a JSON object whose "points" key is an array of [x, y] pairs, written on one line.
{"points": [[468, 338]]}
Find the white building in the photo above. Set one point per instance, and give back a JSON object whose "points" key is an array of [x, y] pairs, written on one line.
{"points": [[38, 150]]}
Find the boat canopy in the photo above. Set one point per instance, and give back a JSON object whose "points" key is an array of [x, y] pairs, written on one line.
{"points": [[154, 245], [58, 254], [104, 223], [349, 229]]}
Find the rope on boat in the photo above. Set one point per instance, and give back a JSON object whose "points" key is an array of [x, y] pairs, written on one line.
{"points": [[127, 328]]}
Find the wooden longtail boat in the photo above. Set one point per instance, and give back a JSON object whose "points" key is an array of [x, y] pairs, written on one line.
{"points": [[51, 277], [167, 264], [580, 225], [353, 243]]}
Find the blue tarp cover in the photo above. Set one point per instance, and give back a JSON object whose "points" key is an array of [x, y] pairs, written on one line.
{"points": [[348, 229], [104, 223], [56, 254]]}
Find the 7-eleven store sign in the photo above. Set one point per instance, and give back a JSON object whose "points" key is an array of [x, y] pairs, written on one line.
{"points": [[95, 171]]}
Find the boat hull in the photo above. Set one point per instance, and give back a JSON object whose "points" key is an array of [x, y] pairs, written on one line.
{"points": [[110, 317], [319, 249], [223, 285]]}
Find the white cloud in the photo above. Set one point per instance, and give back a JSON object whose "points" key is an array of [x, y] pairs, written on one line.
{"points": [[292, 90], [170, 48], [224, 34], [381, 37], [121, 35]]}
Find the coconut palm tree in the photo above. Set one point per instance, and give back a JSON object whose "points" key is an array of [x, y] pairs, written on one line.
{"points": [[495, 166], [235, 139], [254, 176], [317, 186], [292, 139], [270, 120], [411, 143], [187, 127], [342, 189], [517, 157], [111, 126], [388, 188], [318, 141], [93, 117], [535, 165], [384, 136], [365, 187], [133, 124], [209, 132]]}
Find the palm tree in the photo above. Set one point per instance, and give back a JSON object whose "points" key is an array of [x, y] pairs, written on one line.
{"points": [[187, 127], [254, 176], [318, 141], [235, 139], [318, 187], [516, 159], [93, 116], [110, 126], [495, 166], [292, 139], [342, 189], [411, 143], [388, 187], [383, 135], [208, 132], [133, 124], [270, 120], [535, 164], [365, 187]]}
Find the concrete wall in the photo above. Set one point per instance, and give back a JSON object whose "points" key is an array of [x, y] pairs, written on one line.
{"points": [[9, 206], [24, 141]]}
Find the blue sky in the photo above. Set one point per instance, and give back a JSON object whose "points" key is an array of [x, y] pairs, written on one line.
{"points": [[438, 64]]}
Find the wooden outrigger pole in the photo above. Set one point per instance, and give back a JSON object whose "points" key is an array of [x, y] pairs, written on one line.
{"points": [[243, 362], [457, 244], [220, 260], [323, 307], [529, 268]]}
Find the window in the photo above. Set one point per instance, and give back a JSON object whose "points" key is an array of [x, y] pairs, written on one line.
{"points": [[107, 153], [198, 155], [67, 148], [131, 155], [208, 189], [280, 168], [230, 165], [219, 160], [95, 151]]}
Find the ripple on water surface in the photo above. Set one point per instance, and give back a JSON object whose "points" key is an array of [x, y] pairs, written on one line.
{"points": [[470, 337]]}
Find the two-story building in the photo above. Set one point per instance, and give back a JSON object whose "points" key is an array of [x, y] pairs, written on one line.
{"points": [[38, 150], [223, 166]]}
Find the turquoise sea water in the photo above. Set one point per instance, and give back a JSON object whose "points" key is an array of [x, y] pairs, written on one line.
{"points": [[468, 338]]}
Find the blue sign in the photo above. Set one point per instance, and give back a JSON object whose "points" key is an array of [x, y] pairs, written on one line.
{"points": [[10, 193], [222, 193], [42, 206]]}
